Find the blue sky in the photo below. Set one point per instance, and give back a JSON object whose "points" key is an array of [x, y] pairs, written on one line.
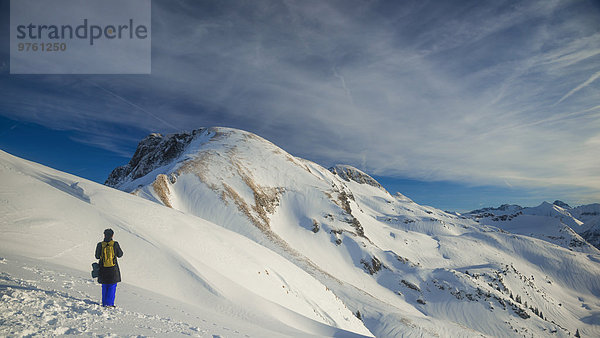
{"points": [[456, 104]]}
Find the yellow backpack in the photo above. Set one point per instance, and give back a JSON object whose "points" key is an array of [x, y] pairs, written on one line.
{"points": [[108, 254]]}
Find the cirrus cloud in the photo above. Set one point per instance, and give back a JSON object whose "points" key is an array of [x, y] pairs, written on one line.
{"points": [[498, 93]]}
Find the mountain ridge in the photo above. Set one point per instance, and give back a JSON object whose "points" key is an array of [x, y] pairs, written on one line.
{"points": [[584, 220]]}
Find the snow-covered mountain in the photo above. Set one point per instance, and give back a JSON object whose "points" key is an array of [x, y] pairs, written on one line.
{"points": [[406, 269], [590, 216], [557, 223], [182, 275]]}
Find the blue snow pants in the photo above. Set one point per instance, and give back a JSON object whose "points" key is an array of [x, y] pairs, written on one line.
{"points": [[108, 294]]}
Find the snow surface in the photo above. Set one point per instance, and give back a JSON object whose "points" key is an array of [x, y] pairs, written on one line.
{"points": [[181, 274], [42, 298], [409, 270]]}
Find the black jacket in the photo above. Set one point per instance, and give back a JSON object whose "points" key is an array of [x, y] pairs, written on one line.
{"points": [[109, 275]]}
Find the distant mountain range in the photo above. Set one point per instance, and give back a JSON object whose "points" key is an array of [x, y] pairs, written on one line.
{"points": [[558, 222]]}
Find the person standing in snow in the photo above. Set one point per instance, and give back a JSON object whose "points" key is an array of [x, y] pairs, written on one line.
{"points": [[109, 275]]}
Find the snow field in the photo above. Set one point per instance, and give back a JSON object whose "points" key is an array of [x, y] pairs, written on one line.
{"points": [[173, 254], [41, 299]]}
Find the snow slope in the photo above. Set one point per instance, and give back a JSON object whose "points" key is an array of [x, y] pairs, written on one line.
{"points": [[51, 221], [408, 269], [40, 298]]}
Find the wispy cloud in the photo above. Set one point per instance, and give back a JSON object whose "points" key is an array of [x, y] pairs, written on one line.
{"points": [[581, 86], [135, 106], [463, 91]]}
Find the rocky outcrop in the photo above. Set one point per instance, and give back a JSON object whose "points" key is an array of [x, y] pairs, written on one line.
{"points": [[349, 173], [152, 152]]}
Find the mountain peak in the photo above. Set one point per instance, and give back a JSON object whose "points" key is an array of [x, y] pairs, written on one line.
{"points": [[504, 207], [562, 204], [349, 173], [152, 151]]}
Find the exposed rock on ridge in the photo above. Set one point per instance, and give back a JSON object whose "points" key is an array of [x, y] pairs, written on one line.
{"points": [[348, 173], [152, 152]]}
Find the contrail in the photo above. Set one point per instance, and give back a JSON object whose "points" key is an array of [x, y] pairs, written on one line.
{"points": [[133, 104], [576, 89]]}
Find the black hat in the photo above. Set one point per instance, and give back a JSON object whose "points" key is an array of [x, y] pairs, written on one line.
{"points": [[108, 233]]}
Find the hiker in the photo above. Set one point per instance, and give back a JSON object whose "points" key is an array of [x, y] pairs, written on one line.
{"points": [[109, 275]]}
